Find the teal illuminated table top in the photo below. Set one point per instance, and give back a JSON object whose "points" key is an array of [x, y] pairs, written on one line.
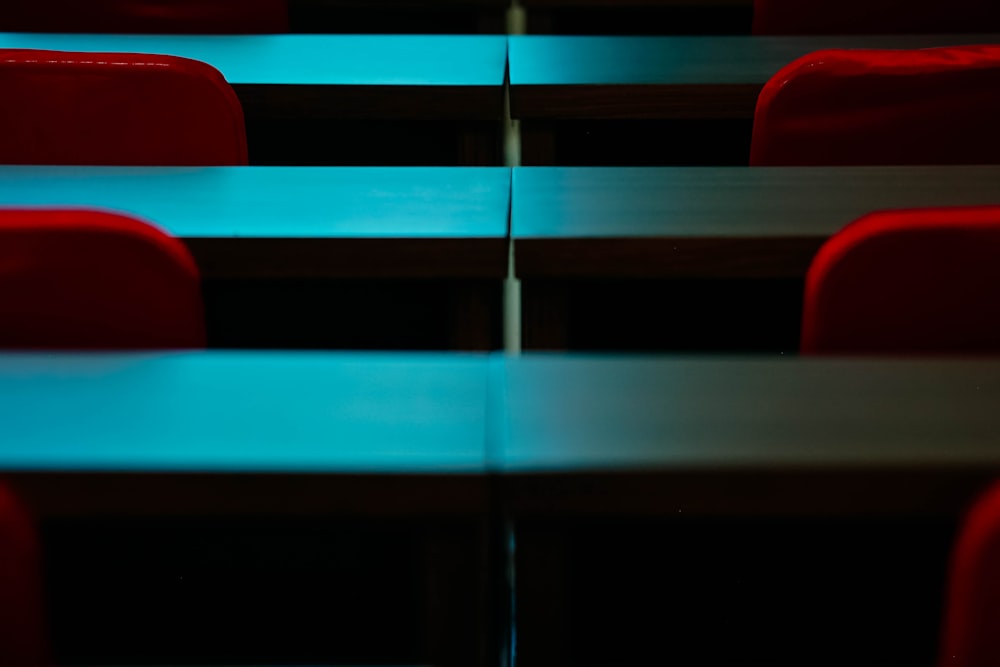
{"points": [[299, 60], [246, 433], [717, 221], [233, 412], [575, 415], [298, 220], [279, 202], [402, 413], [323, 412], [329, 76], [665, 77], [742, 435], [566, 433]]}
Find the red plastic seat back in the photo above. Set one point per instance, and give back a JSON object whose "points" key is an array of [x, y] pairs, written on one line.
{"points": [[882, 107], [22, 636], [907, 282], [885, 17], [972, 607], [116, 109], [80, 279], [145, 16]]}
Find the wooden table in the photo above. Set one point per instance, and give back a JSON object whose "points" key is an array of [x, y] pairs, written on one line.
{"points": [[681, 509], [363, 257], [304, 506], [590, 241], [306, 97], [562, 86]]}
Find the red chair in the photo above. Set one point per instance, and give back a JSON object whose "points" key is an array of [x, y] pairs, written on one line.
{"points": [[971, 636], [907, 282], [116, 109], [81, 279], [145, 16], [882, 107], [22, 635], [852, 17]]}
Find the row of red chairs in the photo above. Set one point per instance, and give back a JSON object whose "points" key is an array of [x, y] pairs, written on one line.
{"points": [[771, 17], [834, 107], [935, 106], [894, 282]]}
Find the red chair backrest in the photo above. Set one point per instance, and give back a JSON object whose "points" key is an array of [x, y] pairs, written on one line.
{"points": [[116, 109], [882, 107], [971, 636], [82, 279], [852, 17], [145, 16], [923, 281], [22, 635]]}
